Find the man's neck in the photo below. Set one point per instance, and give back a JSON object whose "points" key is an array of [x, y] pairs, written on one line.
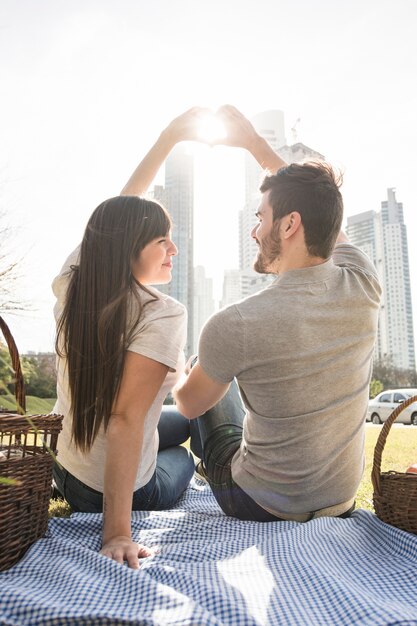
{"points": [[297, 262]]}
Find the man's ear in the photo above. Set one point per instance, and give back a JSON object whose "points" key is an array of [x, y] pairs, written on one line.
{"points": [[291, 223]]}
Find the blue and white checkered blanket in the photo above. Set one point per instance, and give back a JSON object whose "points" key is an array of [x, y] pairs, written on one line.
{"points": [[213, 570]]}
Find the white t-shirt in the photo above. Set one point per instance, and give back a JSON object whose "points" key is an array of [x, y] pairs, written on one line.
{"points": [[160, 335]]}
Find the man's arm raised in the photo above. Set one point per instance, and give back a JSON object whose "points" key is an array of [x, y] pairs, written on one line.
{"points": [[342, 237], [242, 134]]}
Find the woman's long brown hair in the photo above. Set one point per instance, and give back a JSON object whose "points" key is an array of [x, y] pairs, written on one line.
{"points": [[92, 332]]}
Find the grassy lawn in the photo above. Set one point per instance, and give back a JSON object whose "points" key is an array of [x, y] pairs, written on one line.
{"points": [[33, 405], [400, 452]]}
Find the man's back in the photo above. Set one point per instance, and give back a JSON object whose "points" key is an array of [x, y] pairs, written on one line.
{"points": [[301, 351]]}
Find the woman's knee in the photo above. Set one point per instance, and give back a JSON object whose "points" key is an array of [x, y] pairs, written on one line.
{"points": [[176, 462], [173, 428]]}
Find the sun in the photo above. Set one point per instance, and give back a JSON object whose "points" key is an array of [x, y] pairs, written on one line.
{"points": [[211, 129]]}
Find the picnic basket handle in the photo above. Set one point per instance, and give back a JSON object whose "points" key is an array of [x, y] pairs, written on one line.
{"points": [[380, 444], [14, 355]]}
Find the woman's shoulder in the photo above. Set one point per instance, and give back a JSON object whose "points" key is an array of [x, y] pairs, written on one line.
{"points": [[60, 282], [162, 323], [156, 303]]}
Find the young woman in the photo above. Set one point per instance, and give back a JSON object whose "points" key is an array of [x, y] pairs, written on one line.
{"points": [[120, 351]]}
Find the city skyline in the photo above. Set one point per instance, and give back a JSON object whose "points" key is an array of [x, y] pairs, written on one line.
{"points": [[383, 237], [270, 125], [178, 194], [88, 86]]}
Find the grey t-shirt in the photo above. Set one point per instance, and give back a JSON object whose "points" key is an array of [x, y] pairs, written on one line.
{"points": [[301, 351]]}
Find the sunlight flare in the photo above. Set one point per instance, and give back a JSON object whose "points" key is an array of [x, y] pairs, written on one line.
{"points": [[211, 129]]}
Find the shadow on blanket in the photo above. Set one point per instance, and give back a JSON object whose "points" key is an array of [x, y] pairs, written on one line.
{"points": [[212, 570]]}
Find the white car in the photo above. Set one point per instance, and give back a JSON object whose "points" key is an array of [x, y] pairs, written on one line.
{"points": [[381, 407]]}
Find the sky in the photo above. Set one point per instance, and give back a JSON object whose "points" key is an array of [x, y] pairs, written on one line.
{"points": [[86, 86]]}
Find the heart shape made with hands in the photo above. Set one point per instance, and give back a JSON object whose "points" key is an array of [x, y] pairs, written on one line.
{"points": [[211, 128]]}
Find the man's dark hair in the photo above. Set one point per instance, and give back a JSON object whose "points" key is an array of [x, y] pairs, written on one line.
{"points": [[311, 189]]}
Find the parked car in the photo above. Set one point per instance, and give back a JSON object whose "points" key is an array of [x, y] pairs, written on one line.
{"points": [[381, 407]]}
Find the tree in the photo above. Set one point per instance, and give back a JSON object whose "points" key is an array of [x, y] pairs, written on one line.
{"points": [[375, 388], [40, 375], [38, 371], [8, 270], [6, 370], [391, 376]]}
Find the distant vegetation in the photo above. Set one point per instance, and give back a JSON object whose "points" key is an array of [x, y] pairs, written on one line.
{"points": [[34, 405], [38, 372], [386, 376]]}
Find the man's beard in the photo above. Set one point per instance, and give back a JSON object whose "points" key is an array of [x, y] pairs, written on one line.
{"points": [[268, 254]]}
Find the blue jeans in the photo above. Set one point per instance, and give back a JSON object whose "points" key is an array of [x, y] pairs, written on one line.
{"points": [[174, 469], [215, 437]]}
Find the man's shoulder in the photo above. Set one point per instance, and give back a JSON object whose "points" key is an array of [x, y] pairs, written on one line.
{"points": [[225, 315], [241, 308], [347, 254]]}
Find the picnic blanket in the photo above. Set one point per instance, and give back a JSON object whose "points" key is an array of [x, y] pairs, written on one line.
{"points": [[211, 570]]}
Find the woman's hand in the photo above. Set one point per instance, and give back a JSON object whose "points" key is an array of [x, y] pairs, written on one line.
{"points": [[187, 126], [141, 381], [123, 549]]}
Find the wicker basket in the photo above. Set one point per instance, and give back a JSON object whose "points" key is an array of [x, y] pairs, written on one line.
{"points": [[24, 445], [395, 493]]}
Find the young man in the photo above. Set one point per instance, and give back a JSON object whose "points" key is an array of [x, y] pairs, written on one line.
{"points": [[300, 351]]}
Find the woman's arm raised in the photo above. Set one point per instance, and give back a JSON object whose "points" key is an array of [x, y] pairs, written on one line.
{"points": [[185, 127], [142, 378]]}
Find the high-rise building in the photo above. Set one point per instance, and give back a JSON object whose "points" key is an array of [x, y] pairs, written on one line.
{"points": [[203, 302], [270, 125], [232, 287], [238, 284], [365, 231], [178, 196], [383, 236]]}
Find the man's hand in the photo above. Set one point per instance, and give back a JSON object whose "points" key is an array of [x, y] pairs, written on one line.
{"points": [[191, 361], [240, 132], [123, 549]]}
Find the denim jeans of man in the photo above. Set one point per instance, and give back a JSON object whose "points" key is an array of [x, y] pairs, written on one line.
{"points": [[215, 437], [174, 470]]}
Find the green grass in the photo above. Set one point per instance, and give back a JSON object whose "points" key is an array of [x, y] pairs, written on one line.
{"points": [[399, 453], [33, 405], [59, 508]]}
